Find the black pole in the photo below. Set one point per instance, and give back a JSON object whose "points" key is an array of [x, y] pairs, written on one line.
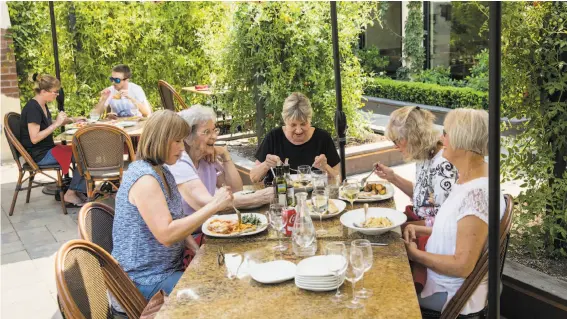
{"points": [[340, 118], [61, 97], [494, 77], [427, 33]]}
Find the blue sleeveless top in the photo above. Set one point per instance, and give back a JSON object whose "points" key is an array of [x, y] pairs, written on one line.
{"points": [[141, 255]]}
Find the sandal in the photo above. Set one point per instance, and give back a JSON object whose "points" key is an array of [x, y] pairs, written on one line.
{"points": [[74, 205]]}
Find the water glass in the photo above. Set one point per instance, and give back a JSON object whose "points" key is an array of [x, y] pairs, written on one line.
{"points": [[368, 259], [278, 222], [320, 204], [304, 172], [94, 116], [353, 273], [337, 249], [319, 178]]}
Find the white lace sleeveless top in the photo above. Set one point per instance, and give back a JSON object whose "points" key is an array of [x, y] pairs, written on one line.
{"points": [[466, 199]]}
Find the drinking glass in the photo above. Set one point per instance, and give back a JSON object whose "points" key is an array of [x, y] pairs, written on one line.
{"points": [[366, 249], [320, 202], [94, 116], [319, 178], [351, 189], [339, 250], [353, 273], [277, 220], [304, 172]]}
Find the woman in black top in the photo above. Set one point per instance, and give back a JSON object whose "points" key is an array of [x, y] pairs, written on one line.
{"points": [[298, 141], [36, 131]]}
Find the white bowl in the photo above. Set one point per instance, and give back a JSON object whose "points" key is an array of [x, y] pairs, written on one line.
{"points": [[357, 216]]}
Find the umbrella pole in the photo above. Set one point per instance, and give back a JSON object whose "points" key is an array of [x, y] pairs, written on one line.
{"points": [[340, 118], [494, 78], [60, 98]]}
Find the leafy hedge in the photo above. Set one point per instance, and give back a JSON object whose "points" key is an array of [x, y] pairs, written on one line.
{"points": [[426, 93]]}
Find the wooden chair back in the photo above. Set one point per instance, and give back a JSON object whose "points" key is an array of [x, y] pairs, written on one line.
{"points": [[95, 224], [100, 147], [169, 96], [456, 304], [84, 271]]}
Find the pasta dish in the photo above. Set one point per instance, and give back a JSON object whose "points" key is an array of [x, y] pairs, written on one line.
{"points": [[227, 227], [377, 222]]}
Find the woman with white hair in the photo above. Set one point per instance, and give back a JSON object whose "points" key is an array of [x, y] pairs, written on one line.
{"points": [[204, 167], [413, 132], [297, 141], [461, 226]]}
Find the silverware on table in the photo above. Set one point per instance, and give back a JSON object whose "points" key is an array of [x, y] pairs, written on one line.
{"points": [[378, 244]]}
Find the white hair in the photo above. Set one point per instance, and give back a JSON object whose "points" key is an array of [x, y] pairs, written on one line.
{"points": [[297, 107], [468, 130], [197, 115]]}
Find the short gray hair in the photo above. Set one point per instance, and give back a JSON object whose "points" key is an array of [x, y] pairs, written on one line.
{"points": [[468, 130], [197, 115], [297, 107]]}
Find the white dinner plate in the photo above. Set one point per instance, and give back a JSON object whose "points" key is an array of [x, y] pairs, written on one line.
{"points": [[357, 216], [273, 272], [389, 194], [126, 123], [263, 225], [338, 203], [71, 131]]}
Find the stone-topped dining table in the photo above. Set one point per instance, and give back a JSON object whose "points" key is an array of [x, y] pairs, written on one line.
{"points": [[205, 291]]}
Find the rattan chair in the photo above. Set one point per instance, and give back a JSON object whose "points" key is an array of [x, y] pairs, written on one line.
{"points": [[84, 272], [169, 96], [99, 153], [95, 224], [12, 131], [454, 306]]}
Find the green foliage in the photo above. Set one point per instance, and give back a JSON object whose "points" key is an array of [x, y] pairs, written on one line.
{"points": [[478, 79], [534, 43], [467, 32], [157, 40], [438, 75], [371, 61], [426, 93], [276, 48], [414, 52]]}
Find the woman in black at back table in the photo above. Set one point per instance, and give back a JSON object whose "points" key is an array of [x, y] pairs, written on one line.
{"points": [[36, 131], [298, 141]]}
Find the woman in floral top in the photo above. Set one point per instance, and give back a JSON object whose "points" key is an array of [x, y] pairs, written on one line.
{"points": [[414, 134]]}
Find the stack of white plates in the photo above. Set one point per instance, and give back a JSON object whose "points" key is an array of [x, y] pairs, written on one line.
{"points": [[316, 273]]}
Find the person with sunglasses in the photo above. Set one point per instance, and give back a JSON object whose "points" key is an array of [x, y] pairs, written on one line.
{"points": [[36, 132], [124, 97]]}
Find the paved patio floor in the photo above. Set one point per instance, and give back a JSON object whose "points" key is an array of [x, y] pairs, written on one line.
{"points": [[31, 237]]}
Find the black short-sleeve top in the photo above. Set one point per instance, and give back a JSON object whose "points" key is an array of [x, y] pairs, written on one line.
{"points": [[275, 143], [33, 113]]}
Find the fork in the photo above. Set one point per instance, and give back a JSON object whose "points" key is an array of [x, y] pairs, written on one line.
{"points": [[363, 181], [236, 210]]}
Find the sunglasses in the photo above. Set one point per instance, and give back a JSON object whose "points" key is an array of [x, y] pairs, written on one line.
{"points": [[117, 80]]}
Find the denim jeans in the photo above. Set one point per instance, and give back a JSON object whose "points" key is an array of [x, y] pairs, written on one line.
{"points": [[167, 285], [77, 183], [433, 302]]}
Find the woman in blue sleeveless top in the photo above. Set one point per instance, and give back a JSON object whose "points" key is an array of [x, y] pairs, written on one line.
{"points": [[150, 230]]}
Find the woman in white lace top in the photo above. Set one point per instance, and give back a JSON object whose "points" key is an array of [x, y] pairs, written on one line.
{"points": [[413, 132], [461, 225]]}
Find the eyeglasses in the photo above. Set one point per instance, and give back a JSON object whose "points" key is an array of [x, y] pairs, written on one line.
{"points": [[117, 80], [208, 132]]}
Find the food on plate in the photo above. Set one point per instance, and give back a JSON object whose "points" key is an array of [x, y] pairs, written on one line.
{"points": [[77, 125], [332, 209], [117, 96], [227, 227], [377, 222], [251, 219], [373, 189], [301, 184]]}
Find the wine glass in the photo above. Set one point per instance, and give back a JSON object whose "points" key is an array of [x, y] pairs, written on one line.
{"points": [[94, 116], [338, 268], [368, 259], [354, 272], [277, 220], [304, 172], [351, 189], [320, 202]]}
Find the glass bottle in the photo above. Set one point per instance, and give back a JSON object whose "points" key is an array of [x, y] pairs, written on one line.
{"points": [[304, 241], [281, 186], [290, 189]]}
